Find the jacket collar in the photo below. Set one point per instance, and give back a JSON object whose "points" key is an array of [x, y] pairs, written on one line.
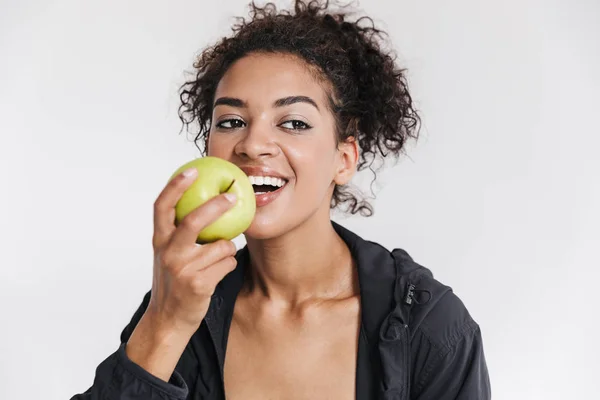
{"points": [[376, 275]]}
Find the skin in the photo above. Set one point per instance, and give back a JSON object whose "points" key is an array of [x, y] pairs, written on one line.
{"points": [[297, 318]]}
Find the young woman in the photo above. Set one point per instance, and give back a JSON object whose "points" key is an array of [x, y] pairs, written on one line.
{"points": [[307, 310]]}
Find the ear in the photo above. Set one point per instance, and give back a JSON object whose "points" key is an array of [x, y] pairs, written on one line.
{"points": [[348, 159]]}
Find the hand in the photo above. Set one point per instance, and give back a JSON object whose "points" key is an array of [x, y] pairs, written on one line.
{"points": [[184, 278], [185, 274]]}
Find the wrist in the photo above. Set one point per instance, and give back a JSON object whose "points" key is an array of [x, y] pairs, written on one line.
{"points": [[156, 346], [166, 330]]}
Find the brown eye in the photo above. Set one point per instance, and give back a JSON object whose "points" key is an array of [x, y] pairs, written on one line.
{"points": [[232, 123], [295, 125]]}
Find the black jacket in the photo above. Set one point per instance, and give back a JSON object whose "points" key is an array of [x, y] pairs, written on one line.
{"points": [[417, 339]]}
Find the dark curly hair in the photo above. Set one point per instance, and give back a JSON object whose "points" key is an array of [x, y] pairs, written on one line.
{"points": [[368, 92]]}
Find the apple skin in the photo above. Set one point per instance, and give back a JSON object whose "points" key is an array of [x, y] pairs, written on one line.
{"points": [[215, 176]]}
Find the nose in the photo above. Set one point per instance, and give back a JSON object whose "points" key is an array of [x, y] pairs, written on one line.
{"points": [[258, 142]]}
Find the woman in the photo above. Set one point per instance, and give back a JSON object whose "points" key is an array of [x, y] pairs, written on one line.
{"points": [[307, 310]]}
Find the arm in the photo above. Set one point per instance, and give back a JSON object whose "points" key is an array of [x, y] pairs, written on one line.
{"points": [[118, 377], [456, 372], [184, 278]]}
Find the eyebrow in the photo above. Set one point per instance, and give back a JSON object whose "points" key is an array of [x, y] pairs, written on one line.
{"points": [[286, 101]]}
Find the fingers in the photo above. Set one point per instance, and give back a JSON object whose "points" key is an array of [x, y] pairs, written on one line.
{"points": [[164, 206], [206, 281], [212, 253], [189, 228]]}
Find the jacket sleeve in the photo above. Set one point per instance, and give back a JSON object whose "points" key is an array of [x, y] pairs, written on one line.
{"points": [[118, 378], [457, 372]]}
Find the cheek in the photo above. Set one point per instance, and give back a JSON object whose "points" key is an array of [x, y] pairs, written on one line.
{"points": [[313, 164], [219, 145]]}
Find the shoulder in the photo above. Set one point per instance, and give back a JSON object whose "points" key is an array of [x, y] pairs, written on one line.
{"points": [[392, 282], [445, 341], [444, 338], [435, 310]]}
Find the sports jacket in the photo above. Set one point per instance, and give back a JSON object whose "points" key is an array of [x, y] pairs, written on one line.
{"points": [[417, 340]]}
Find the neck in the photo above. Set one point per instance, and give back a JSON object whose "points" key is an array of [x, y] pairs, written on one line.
{"points": [[310, 262]]}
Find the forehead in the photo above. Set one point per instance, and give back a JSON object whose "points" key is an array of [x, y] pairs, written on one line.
{"points": [[266, 77]]}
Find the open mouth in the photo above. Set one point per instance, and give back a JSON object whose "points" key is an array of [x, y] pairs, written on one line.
{"points": [[266, 184]]}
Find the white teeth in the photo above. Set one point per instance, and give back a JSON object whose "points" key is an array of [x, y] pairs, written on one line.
{"points": [[266, 180]]}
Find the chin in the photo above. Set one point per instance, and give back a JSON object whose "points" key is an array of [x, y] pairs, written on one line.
{"points": [[265, 228]]}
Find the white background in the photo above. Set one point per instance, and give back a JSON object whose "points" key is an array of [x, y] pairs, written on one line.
{"points": [[499, 197]]}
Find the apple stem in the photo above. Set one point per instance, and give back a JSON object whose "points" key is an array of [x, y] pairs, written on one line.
{"points": [[227, 190]]}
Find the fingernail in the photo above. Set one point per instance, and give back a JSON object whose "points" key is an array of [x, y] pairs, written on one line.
{"points": [[230, 197], [188, 173]]}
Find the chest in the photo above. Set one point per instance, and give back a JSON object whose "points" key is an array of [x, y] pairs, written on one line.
{"points": [[315, 358]]}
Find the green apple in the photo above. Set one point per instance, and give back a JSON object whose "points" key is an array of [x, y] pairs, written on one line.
{"points": [[216, 176]]}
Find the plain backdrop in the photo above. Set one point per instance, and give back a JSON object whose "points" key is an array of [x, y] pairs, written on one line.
{"points": [[500, 197]]}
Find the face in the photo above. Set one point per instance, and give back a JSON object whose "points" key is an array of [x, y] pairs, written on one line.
{"points": [[271, 118]]}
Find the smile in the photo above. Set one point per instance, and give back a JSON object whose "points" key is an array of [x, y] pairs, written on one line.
{"points": [[266, 184], [266, 188]]}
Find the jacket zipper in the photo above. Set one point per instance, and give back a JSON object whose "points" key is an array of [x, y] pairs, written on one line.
{"points": [[409, 300]]}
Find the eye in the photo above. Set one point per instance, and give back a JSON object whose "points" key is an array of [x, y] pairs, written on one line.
{"points": [[232, 123], [295, 125]]}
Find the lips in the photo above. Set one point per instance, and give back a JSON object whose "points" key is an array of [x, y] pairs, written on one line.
{"points": [[267, 182], [267, 188], [264, 198], [258, 171]]}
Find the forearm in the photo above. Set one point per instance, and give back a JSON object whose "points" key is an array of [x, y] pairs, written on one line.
{"points": [[157, 347]]}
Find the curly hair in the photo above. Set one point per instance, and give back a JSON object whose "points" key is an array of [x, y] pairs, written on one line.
{"points": [[368, 93]]}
